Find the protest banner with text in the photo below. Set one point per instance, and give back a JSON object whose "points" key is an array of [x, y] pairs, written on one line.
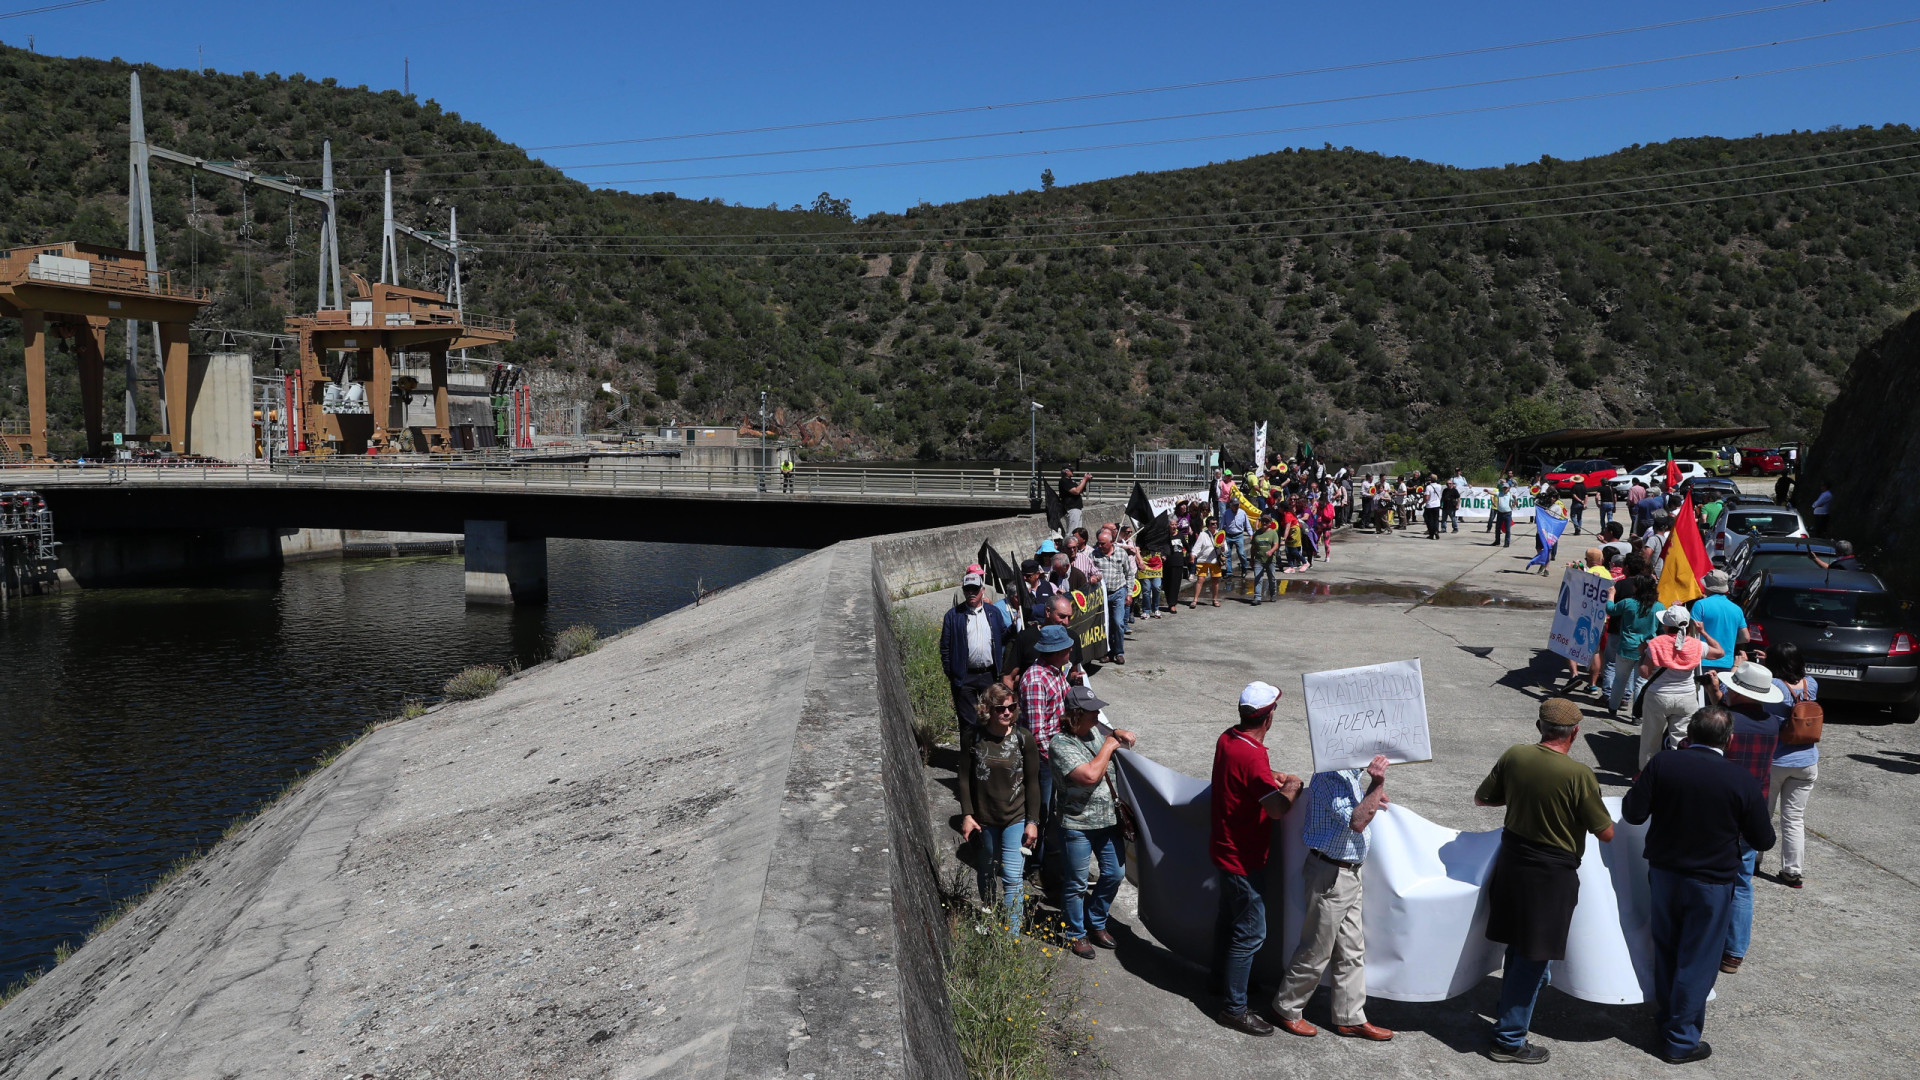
{"points": [[1089, 623], [1580, 616], [1355, 713]]}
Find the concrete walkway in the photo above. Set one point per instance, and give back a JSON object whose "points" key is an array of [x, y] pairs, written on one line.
{"points": [[1829, 984]]}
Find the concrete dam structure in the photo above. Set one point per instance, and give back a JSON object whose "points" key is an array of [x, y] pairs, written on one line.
{"points": [[703, 850]]}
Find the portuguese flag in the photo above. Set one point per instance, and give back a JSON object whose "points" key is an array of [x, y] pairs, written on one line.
{"points": [[1673, 476], [1686, 559]]}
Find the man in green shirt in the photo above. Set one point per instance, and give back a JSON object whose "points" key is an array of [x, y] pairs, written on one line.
{"points": [[1266, 540], [1552, 803], [1087, 820]]}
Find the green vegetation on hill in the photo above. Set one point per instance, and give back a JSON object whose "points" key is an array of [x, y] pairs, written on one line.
{"points": [[1375, 305]]}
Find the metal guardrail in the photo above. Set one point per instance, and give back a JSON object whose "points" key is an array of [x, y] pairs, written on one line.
{"points": [[596, 478]]}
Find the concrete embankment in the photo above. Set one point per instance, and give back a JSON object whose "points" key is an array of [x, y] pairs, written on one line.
{"points": [[703, 850]]}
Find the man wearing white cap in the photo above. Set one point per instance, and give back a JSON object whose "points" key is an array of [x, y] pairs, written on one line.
{"points": [[972, 642], [1247, 797], [1669, 661]]}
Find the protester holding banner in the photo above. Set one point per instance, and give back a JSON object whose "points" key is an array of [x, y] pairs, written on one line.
{"points": [[1552, 803], [1339, 806], [1246, 798], [1088, 821]]}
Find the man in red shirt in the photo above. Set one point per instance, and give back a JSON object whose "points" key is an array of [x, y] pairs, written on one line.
{"points": [[1248, 796]]}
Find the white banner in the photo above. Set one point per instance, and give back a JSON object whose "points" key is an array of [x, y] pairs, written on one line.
{"points": [[1355, 713], [1580, 616], [1423, 915], [1260, 448], [1166, 502], [1477, 504]]}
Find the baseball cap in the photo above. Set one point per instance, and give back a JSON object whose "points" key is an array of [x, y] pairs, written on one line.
{"points": [[1054, 639], [972, 580], [1082, 698], [1259, 695], [1029, 566]]}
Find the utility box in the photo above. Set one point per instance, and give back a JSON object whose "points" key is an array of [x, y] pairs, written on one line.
{"points": [[220, 406]]}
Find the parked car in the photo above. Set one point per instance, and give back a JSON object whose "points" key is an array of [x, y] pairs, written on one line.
{"points": [[1717, 462], [1584, 473], [1655, 472], [1738, 524], [1762, 461], [1763, 553], [1855, 636]]}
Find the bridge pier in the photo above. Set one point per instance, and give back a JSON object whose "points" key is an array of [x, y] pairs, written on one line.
{"points": [[502, 569]]}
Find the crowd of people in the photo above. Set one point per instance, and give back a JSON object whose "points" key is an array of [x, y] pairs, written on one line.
{"points": [[1727, 743]]}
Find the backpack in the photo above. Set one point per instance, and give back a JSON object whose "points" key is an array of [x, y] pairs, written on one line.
{"points": [[1803, 723]]}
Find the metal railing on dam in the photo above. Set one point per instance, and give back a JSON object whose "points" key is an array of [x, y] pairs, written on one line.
{"points": [[596, 478]]}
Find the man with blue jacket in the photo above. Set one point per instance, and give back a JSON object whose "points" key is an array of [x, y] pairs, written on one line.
{"points": [[972, 638]]}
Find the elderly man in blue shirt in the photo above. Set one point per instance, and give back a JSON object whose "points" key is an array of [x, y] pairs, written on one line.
{"points": [[1339, 807]]}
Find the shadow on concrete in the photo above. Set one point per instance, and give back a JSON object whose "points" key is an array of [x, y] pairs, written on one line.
{"points": [[1539, 679], [1154, 964], [1618, 754], [1892, 761], [1464, 1024]]}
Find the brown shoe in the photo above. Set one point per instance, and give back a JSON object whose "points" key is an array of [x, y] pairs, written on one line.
{"points": [[1082, 949], [1371, 1032], [1295, 1027], [1246, 1023], [1102, 939], [1729, 965]]}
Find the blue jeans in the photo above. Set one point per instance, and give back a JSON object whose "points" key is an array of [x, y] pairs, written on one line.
{"points": [[1606, 514], [1503, 527], [1000, 852], [1520, 984], [1624, 684], [1085, 906], [1044, 855], [1574, 516], [1238, 933], [1236, 553], [1740, 929], [1117, 622], [1690, 919], [1263, 575], [1150, 596]]}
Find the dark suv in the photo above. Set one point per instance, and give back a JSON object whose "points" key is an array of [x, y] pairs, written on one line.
{"points": [[1855, 636], [1764, 553]]}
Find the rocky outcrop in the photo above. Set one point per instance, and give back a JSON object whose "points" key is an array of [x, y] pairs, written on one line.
{"points": [[1869, 451]]}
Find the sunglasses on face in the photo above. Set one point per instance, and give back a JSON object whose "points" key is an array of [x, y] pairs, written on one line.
{"points": [[1003, 708]]}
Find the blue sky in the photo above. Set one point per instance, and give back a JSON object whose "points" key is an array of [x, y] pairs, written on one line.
{"points": [[573, 71]]}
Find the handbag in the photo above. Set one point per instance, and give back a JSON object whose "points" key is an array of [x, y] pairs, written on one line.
{"points": [[1803, 724], [1128, 826]]}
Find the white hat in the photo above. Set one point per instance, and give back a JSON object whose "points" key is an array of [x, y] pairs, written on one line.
{"points": [[972, 579], [1752, 681], [1259, 695], [1675, 616]]}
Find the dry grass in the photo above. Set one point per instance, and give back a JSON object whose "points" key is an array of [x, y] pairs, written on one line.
{"points": [[474, 683], [918, 637], [575, 641]]}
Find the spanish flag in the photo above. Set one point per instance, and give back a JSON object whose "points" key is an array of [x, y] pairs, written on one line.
{"points": [[1686, 559]]}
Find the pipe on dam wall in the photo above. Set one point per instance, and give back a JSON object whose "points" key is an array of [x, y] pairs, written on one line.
{"points": [[703, 850]]}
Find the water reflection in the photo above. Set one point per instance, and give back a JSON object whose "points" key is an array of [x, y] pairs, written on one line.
{"points": [[141, 721]]}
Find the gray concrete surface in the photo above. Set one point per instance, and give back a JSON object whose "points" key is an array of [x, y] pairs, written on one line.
{"points": [[1827, 990], [673, 857]]}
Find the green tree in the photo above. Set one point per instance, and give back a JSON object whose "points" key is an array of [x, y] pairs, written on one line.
{"points": [[1524, 416], [1046, 179], [1455, 441]]}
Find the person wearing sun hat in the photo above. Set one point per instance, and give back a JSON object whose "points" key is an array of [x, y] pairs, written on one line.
{"points": [[1749, 688], [1669, 660]]}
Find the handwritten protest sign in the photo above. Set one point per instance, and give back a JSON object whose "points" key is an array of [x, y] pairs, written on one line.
{"points": [[1355, 713], [1580, 616]]}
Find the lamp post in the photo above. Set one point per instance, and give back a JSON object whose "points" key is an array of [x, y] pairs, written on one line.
{"points": [[1033, 449], [763, 440]]}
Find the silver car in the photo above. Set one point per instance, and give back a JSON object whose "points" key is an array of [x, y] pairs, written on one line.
{"points": [[1742, 521]]}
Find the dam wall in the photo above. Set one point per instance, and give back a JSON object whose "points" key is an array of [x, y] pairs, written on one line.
{"points": [[701, 851]]}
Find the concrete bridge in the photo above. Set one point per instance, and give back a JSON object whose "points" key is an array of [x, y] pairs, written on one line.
{"points": [[216, 513]]}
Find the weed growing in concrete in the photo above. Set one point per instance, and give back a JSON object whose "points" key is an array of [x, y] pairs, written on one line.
{"points": [[1008, 1012], [414, 707], [575, 641], [927, 689], [473, 683]]}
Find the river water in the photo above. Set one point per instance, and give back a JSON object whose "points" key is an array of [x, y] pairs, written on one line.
{"points": [[137, 723]]}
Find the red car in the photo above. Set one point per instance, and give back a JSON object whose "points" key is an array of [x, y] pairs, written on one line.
{"points": [[1585, 473], [1762, 461]]}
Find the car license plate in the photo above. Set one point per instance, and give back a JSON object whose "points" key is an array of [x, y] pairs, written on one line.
{"points": [[1826, 672]]}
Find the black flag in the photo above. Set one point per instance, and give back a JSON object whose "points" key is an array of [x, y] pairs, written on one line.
{"points": [[1138, 508], [1157, 535], [1004, 579], [1056, 514]]}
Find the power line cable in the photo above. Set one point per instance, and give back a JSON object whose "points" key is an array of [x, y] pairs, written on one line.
{"points": [[49, 8], [1186, 139], [1201, 115], [1241, 239], [637, 244], [946, 232]]}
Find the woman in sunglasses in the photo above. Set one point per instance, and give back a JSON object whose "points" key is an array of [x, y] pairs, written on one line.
{"points": [[1000, 801]]}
